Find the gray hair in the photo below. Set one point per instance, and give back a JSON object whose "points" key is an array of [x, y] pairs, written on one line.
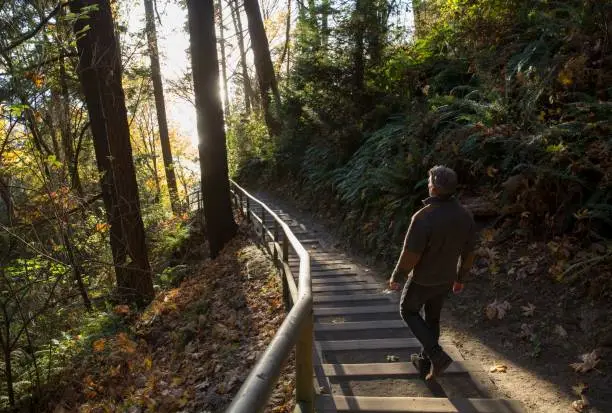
{"points": [[443, 179]]}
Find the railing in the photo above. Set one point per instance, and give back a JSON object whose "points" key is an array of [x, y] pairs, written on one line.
{"points": [[195, 198], [296, 330]]}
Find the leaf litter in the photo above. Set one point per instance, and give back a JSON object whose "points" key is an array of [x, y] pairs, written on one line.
{"points": [[193, 347]]}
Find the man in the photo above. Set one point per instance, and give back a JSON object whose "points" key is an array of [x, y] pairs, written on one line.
{"points": [[437, 254]]}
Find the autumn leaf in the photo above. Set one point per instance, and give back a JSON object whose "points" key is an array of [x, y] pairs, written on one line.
{"points": [[102, 227], [498, 368], [528, 310], [122, 309], [589, 361], [99, 345], [580, 405], [565, 78], [497, 309], [560, 331], [491, 171], [148, 363], [125, 344]]}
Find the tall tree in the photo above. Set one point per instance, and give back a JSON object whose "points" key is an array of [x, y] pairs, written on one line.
{"points": [[246, 82], [264, 67], [226, 103], [218, 214], [100, 75], [160, 106]]}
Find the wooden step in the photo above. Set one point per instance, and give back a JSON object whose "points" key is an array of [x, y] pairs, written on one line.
{"points": [[373, 309], [339, 279], [349, 371], [374, 344], [349, 404], [352, 287], [349, 298], [359, 325]]}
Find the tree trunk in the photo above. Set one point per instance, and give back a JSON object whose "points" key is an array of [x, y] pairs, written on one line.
{"points": [[160, 106], [5, 195], [67, 141], [5, 343], [218, 213], [358, 48], [264, 67], [100, 74], [287, 40], [226, 107], [246, 82]]}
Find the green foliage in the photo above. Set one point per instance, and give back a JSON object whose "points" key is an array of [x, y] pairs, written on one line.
{"points": [[499, 90]]}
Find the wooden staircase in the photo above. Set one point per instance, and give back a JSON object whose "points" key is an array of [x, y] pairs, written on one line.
{"points": [[362, 346]]}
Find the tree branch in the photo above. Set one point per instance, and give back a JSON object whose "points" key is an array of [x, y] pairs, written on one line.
{"points": [[34, 31]]}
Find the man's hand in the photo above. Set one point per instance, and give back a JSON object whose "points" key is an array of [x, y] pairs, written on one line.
{"points": [[457, 287], [394, 285]]}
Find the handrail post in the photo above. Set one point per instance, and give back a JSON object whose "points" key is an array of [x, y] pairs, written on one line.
{"points": [[275, 252], [248, 214], [285, 259], [304, 387], [240, 201], [263, 227]]}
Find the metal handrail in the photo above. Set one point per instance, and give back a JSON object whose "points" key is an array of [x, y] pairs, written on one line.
{"points": [[296, 330]]}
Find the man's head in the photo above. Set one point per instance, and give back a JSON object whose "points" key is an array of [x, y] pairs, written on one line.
{"points": [[442, 181]]}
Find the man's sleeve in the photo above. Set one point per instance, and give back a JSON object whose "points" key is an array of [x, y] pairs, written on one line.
{"points": [[417, 236]]}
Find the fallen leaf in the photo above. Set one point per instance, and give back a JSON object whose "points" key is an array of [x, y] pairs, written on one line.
{"points": [[99, 345], [148, 363], [497, 309], [121, 309], [580, 388], [526, 331], [589, 361], [528, 309], [392, 358], [560, 331], [498, 368], [580, 405]]}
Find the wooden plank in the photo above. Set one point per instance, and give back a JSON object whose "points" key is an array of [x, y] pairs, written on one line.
{"points": [[375, 344], [323, 263], [373, 309], [331, 288], [382, 370], [360, 325], [347, 404], [350, 298], [336, 279]]}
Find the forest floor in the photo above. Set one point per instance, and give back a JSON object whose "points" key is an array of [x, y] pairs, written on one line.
{"points": [[527, 331], [193, 347]]}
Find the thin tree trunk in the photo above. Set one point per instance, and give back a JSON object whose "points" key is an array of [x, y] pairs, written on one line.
{"points": [[5, 342], [64, 116], [218, 213], [246, 82], [160, 106], [226, 107], [264, 67], [285, 53], [100, 74], [5, 194], [77, 270], [358, 58]]}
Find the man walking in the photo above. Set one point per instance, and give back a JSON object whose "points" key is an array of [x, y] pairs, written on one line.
{"points": [[436, 256]]}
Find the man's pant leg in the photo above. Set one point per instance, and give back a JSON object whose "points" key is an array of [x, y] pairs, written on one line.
{"points": [[414, 297], [433, 309]]}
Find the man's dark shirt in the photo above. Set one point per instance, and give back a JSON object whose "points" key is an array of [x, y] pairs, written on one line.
{"points": [[441, 232]]}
